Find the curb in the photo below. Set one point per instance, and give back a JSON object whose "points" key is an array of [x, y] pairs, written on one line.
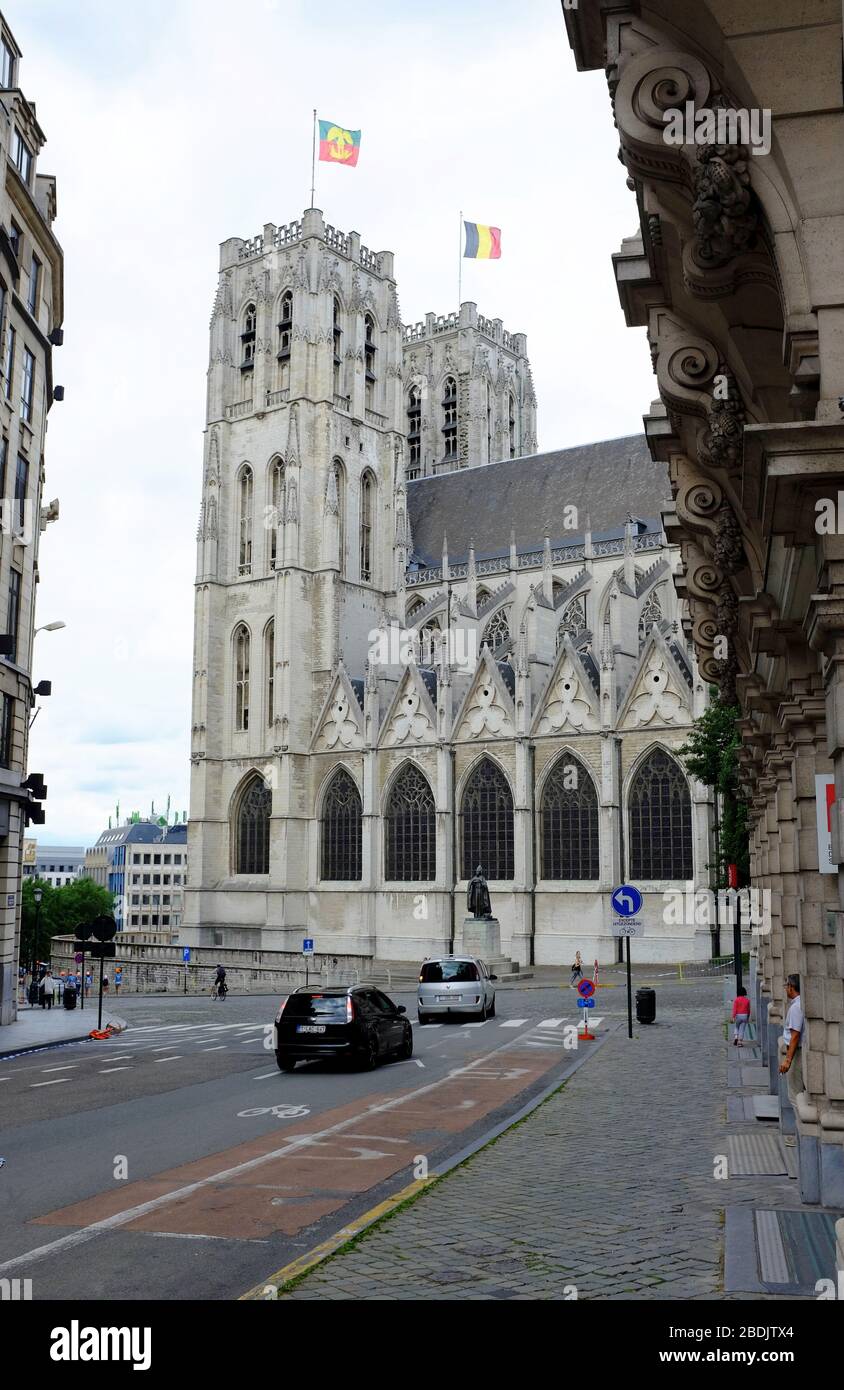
{"points": [[333, 1244], [119, 1024]]}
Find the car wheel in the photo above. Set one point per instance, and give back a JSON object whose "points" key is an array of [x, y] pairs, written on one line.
{"points": [[369, 1055], [481, 1017], [406, 1049], [424, 1018], [286, 1063], [491, 1013]]}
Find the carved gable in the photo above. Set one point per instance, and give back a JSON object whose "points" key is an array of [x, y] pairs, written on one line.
{"points": [[569, 700], [340, 724], [657, 693], [488, 707], [411, 717]]}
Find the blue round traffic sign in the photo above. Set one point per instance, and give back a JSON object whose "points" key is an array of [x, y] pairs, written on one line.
{"points": [[626, 900], [585, 989]]}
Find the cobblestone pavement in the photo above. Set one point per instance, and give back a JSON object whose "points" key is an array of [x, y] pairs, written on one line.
{"points": [[607, 1187]]}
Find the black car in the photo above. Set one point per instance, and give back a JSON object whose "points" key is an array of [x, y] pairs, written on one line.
{"points": [[355, 1022]]}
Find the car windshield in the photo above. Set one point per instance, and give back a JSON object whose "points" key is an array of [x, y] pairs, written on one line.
{"points": [[322, 1006], [433, 972]]}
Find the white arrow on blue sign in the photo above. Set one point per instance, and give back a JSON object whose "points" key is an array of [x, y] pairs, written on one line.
{"points": [[627, 900], [308, 946]]}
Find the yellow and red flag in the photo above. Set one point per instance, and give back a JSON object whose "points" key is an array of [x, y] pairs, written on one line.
{"points": [[482, 243], [337, 145]]}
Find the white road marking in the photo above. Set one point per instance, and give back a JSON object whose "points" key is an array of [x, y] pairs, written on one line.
{"points": [[124, 1057], [58, 1081], [106, 1071], [265, 1074], [293, 1144], [476, 1025], [218, 1047], [168, 1048], [177, 1058], [418, 1063], [514, 1023], [69, 1067], [550, 1023]]}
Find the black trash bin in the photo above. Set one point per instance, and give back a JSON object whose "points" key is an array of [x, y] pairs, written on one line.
{"points": [[646, 1005], [70, 996], [33, 994]]}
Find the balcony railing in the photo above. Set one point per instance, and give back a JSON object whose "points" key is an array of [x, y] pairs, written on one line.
{"points": [[278, 397], [373, 418], [234, 412], [343, 403]]}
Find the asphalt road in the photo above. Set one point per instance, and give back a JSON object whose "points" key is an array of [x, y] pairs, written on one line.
{"points": [[177, 1162]]}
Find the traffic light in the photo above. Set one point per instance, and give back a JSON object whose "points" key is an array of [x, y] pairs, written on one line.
{"points": [[36, 786]]}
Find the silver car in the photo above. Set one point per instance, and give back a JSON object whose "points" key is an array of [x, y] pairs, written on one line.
{"points": [[455, 985]]}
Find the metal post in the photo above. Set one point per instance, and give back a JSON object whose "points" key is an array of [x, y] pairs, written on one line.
{"points": [[629, 989], [82, 983], [737, 942], [717, 942], [100, 1012], [313, 157]]}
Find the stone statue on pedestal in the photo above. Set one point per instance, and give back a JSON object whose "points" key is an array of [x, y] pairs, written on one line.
{"points": [[477, 897]]}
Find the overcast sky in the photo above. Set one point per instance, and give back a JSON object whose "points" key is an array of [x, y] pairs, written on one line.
{"points": [[174, 124]]}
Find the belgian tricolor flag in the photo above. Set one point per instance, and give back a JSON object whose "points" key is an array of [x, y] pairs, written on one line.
{"points": [[482, 243]]}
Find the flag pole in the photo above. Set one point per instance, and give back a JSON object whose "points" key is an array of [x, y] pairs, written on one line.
{"points": [[460, 262], [313, 158]]}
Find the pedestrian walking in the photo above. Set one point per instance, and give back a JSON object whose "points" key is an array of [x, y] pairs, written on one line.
{"points": [[741, 1016], [576, 970], [118, 980], [48, 984], [792, 1065], [105, 984]]}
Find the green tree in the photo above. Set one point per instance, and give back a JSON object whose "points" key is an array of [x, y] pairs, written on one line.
{"points": [[711, 754], [80, 902], [60, 912]]}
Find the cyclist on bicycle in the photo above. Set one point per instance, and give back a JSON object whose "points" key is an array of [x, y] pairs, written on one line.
{"points": [[219, 989]]}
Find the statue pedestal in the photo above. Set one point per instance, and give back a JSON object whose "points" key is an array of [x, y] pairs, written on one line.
{"points": [[482, 937]]}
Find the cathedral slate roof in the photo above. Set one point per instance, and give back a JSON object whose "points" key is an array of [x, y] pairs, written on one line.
{"points": [[606, 481]]}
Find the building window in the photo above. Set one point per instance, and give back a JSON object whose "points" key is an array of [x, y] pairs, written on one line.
{"points": [[338, 350], [247, 339], [13, 611], [156, 859], [244, 522], [340, 480], [277, 517], [253, 829], [27, 385], [569, 822], [15, 238], [497, 629], [7, 65], [21, 485], [573, 620], [22, 157], [369, 360], [450, 418], [147, 858], [511, 423], [651, 614], [145, 880], [285, 336], [411, 829], [241, 678], [9, 362], [414, 431], [6, 715], [269, 672], [342, 830], [486, 818], [660, 817], [367, 491], [34, 286]]}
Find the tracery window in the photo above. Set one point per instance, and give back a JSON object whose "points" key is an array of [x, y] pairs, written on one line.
{"points": [[367, 494], [369, 350], [244, 522], [269, 672], [247, 338], [651, 613], [569, 814], [660, 820], [450, 418], [497, 629], [337, 333], [573, 620], [242, 643], [410, 829], [341, 830], [414, 431], [252, 839], [277, 514], [487, 823]]}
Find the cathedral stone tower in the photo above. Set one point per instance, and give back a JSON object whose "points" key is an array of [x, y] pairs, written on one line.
{"points": [[470, 397], [297, 550]]}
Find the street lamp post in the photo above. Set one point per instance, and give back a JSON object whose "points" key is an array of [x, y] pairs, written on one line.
{"points": [[37, 894]]}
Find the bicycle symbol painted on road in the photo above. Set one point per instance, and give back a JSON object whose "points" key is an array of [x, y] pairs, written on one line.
{"points": [[281, 1112]]}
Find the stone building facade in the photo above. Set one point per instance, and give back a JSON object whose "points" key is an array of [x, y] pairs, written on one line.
{"points": [[737, 273], [397, 679], [31, 313]]}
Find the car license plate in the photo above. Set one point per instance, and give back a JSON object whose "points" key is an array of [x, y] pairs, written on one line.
{"points": [[447, 998], [310, 1028]]}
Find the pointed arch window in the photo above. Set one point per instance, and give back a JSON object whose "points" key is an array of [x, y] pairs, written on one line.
{"points": [[277, 503], [410, 827], [337, 333], [340, 480], [511, 423], [486, 818], [660, 820], [573, 620], [430, 638], [242, 643], [285, 338], [414, 430], [490, 426], [367, 512], [369, 350], [244, 521], [341, 831], [651, 613], [449, 419], [497, 629], [247, 338], [569, 816], [252, 829], [269, 672], [415, 606]]}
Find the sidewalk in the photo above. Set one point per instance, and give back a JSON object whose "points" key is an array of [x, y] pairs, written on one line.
{"points": [[612, 1187], [44, 1027]]}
